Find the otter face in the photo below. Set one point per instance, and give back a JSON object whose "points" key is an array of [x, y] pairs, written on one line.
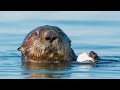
{"points": [[47, 42]]}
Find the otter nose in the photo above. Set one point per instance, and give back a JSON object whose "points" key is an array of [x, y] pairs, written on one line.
{"points": [[51, 36]]}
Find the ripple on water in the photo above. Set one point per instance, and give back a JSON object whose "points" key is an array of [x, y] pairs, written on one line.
{"points": [[101, 37]]}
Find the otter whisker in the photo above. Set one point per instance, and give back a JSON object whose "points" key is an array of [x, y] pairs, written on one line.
{"points": [[35, 48], [38, 48]]}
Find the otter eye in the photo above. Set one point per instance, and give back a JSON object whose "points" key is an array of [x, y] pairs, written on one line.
{"points": [[47, 38]]}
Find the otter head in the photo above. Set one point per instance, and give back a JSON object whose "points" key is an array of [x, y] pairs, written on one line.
{"points": [[47, 44]]}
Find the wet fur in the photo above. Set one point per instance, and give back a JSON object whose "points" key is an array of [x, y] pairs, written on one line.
{"points": [[36, 49]]}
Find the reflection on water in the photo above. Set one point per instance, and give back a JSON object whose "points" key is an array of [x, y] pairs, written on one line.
{"points": [[88, 66], [46, 66], [42, 76], [45, 70], [84, 65], [52, 70]]}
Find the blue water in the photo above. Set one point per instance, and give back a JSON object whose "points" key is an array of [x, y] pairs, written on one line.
{"points": [[103, 37]]}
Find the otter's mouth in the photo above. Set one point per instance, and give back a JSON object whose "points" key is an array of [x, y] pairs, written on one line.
{"points": [[39, 47], [45, 48]]}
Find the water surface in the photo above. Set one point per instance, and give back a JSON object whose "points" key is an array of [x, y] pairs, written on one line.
{"points": [[103, 37]]}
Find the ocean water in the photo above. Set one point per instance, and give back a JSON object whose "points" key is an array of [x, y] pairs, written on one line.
{"points": [[103, 37]]}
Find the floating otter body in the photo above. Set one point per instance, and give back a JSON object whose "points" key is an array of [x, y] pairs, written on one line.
{"points": [[47, 44]]}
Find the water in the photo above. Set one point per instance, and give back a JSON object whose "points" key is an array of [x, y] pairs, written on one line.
{"points": [[103, 37]]}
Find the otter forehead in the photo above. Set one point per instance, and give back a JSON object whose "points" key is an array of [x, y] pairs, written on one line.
{"points": [[41, 31], [45, 28], [48, 28]]}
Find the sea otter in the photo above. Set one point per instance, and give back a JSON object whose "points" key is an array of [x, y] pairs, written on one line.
{"points": [[47, 44]]}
